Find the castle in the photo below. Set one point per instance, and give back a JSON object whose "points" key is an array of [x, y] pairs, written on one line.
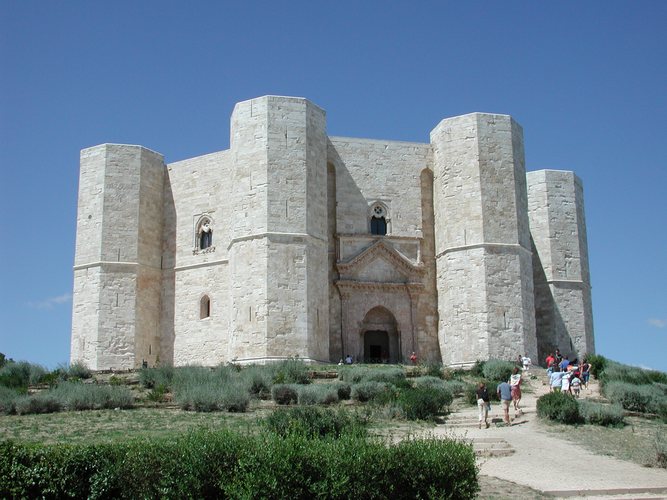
{"points": [[294, 243]]}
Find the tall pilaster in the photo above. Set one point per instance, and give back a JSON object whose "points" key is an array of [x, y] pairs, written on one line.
{"points": [[483, 256], [563, 306], [117, 268], [278, 252]]}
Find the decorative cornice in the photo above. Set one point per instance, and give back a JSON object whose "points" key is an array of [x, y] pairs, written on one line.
{"points": [[490, 246], [347, 286], [382, 249]]}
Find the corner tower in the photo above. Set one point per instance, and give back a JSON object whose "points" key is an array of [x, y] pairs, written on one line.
{"points": [[564, 313], [483, 255], [117, 265], [278, 249]]}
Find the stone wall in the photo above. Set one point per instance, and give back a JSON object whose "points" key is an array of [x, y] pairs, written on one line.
{"points": [[561, 274]]}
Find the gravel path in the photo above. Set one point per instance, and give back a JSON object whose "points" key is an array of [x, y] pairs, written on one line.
{"points": [[528, 457]]}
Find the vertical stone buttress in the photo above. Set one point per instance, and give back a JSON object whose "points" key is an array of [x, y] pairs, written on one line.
{"points": [[483, 255], [117, 268], [278, 249], [563, 308]]}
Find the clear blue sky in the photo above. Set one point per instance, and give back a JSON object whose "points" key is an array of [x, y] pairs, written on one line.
{"points": [[587, 81]]}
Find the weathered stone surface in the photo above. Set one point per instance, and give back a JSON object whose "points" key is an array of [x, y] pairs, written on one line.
{"points": [[292, 268]]}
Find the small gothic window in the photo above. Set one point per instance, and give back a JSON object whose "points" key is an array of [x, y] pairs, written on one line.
{"points": [[204, 235], [204, 307], [378, 220]]}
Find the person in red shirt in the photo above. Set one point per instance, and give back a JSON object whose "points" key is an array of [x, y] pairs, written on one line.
{"points": [[413, 358]]}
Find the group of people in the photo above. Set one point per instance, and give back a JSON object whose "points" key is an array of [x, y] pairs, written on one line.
{"points": [[565, 375], [509, 393]]}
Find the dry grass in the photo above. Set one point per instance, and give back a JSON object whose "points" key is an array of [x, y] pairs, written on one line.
{"points": [[636, 442]]}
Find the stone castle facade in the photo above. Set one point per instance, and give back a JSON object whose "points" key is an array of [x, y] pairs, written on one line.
{"points": [[294, 243]]}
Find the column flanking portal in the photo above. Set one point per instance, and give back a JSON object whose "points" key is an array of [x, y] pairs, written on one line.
{"points": [[483, 256], [563, 307], [279, 250], [117, 271]]}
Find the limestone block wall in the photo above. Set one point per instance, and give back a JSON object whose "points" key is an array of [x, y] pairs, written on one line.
{"points": [[561, 273], [119, 241], [387, 171], [196, 187], [482, 252], [280, 170]]}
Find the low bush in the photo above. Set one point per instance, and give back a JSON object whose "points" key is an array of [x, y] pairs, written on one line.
{"points": [[259, 380], [21, 374], [343, 389], [285, 394], [392, 375], [601, 414], [456, 387], [291, 371], [559, 407], [40, 403], [80, 396], [317, 394], [424, 403], [598, 364], [368, 391], [352, 374], [159, 376], [496, 369], [477, 370], [158, 394], [234, 398], [7, 399], [430, 369], [78, 370], [631, 374], [639, 398], [230, 465], [428, 381], [315, 422]]}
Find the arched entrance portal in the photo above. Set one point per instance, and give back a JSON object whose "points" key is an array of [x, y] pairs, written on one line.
{"points": [[381, 338]]}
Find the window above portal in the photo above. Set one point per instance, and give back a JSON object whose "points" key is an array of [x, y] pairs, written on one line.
{"points": [[378, 219], [203, 237]]}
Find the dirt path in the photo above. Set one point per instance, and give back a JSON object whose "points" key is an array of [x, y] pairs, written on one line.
{"points": [[526, 456]]}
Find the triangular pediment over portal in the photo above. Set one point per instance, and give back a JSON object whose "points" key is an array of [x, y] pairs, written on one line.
{"points": [[380, 263]]}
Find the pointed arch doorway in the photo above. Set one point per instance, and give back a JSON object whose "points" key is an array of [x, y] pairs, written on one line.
{"points": [[381, 338]]}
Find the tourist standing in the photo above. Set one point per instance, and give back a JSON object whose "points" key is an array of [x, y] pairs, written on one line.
{"points": [[483, 404], [556, 379], [515, 390], [504, 392]]}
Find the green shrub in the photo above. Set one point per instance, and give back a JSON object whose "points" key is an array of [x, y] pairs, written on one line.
{"points": [[315, 422], [259, 380], [601, 414], [631, 374], [428, 381], [162, 375], [598, 364], [203, 397], [352, 374], [495, 369], [285, 394], [79, 370], [477, 370], [456, 387], [80, 396], [343, 389], [368, 391], [430, 369], [291, 371], [39, 403], [234, 397], [560, 407], [639, 398], [314, 394], [21, 374], [424, 403], [7, 399], [158, 394], [392, 375], [230, 465]]}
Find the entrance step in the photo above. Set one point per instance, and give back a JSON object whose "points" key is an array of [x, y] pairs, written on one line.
{"points": [[491, 447]]}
